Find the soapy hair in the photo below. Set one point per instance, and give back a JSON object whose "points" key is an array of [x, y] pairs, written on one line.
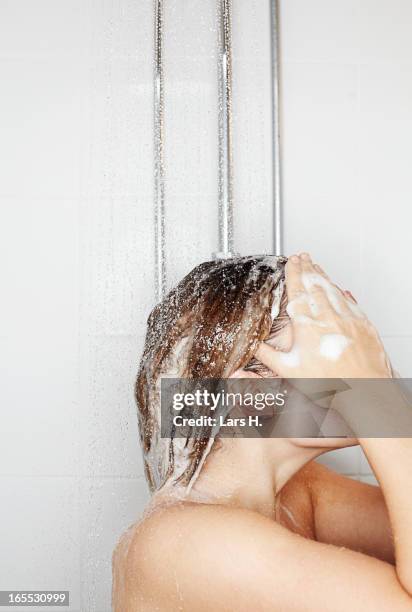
{"points": [[207, 327]]}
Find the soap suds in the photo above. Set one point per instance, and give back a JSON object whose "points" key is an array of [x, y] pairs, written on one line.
{"points": [[277, 297], [272, 261], [333, 345], [302, 318], [302, 299], [334, 296]]}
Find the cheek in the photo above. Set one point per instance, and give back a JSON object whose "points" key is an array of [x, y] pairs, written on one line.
{"points": [[283, 340]]}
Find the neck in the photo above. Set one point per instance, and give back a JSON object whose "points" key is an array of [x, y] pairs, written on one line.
{"points": [[249, 473]]}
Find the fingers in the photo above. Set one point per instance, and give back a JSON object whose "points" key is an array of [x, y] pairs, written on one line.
{"points": [[349, 295], [299, 303], [301, 306], [329, 298], [293, 275], [313, 296], [321, 271], [314, 283], [279, 362], [268, 356]]}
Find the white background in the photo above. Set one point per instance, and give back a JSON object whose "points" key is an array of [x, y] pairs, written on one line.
{"points": [[76, 231]]}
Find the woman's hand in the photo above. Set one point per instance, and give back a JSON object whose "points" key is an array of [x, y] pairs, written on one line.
{"points": [[332, 338]]}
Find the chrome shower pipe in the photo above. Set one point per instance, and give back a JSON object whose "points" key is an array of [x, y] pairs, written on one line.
{"points": [[159, 183], [225, 193], [276, 152]]}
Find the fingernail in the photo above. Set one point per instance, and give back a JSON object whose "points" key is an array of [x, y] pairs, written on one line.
{"points": [[305, 256], [294, 259]]}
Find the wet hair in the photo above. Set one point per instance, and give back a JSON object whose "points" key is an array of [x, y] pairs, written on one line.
{"points": [[207, 327]]}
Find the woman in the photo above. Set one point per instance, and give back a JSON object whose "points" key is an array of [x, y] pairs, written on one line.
{"points": [[255, 524]]}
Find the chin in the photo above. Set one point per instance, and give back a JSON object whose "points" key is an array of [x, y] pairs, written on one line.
{"points": [[327, 443]]}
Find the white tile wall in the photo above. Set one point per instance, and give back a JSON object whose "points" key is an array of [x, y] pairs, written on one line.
{"points": [[322, 30], [76, 196], [108, 506], [109, 426], [42, 100], [40, 535]]}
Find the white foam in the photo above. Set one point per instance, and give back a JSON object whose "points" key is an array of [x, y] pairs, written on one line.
{"points": [[271, 261], [304, 298], [277, 296], [310, 279], [334, 296], [333, 345]]}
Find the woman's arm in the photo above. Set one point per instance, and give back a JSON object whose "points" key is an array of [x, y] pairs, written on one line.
{"points": [[391, 460], [319, 309], [348, 513]]}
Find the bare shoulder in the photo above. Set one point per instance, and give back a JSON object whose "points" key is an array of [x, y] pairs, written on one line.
{"points": [[208, 557], [183, 550], [185, 530]]}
